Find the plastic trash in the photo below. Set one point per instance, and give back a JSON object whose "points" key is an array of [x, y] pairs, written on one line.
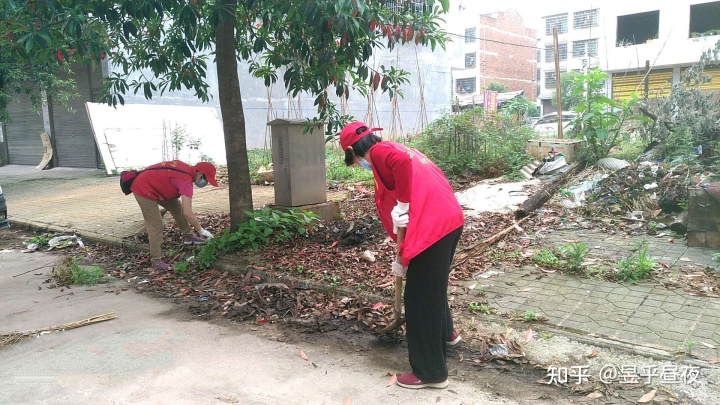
{"points": [[64, 241], [612, 163], [499, 350], [551, 166], [579, 192], [368, 256]]}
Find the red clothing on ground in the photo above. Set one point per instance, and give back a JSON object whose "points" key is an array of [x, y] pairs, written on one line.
{"points": [[406, 175], [164, 184]]}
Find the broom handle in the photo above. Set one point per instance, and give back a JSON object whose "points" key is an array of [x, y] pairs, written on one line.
{"points": [[399, 280]]}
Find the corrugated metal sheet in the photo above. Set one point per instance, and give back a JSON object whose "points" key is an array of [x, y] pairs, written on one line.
{"points": [[74, 141], [623, 84], [23, 132]]}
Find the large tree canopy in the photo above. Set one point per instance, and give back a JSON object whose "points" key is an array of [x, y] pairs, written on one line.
{"points": [[317, 46]]}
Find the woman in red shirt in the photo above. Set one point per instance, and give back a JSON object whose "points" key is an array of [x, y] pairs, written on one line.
{"points": [[170, 185], [411, 192]]}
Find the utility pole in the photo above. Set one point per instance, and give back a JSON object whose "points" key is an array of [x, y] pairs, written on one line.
{"points": [[558, 88]]}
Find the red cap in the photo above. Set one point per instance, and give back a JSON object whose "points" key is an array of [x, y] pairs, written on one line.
{"points": [[208, 170], [349, 135]]}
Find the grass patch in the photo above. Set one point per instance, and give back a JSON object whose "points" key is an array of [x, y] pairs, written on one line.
{"points": [[546, 257], [67, 271]]}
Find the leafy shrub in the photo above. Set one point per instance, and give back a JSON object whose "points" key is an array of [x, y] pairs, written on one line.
{"points": [[263, 226], [470, 143]]}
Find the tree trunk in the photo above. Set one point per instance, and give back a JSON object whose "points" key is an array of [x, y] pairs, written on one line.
{"points": [[233, 117]]}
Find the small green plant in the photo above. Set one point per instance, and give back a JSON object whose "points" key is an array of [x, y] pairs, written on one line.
{"points": [[481, 308], [636, 267], [652, 228], [688, 345], [716, 257], [546, 257], [530, 316], [87, 275], [300, 269], [40, 240], [183, 266], [546, 335], [263, 226], [333, 281], [574, 254]]}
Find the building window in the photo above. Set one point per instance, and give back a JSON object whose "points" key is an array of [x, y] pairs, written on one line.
{"points": [[638, 28], [466, 85], [585, 19], [559, 21], [416, 7], [550, 52], [704, 19], [470, 60], [539, 59], [585, 47], [550, 80], [470, 35], [537, 91], [538, 75]]}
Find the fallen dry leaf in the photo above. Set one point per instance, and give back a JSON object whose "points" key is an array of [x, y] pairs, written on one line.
{"points": [[592, 354], [594, 395], [347, 401], [685, 259], [303, 355], [647, 397], [391, 381], [528, 334], [708, 345], [714, 360], [377, 306]]}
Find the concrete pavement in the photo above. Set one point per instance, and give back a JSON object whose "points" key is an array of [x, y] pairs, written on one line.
{"points": [[154, 352]]}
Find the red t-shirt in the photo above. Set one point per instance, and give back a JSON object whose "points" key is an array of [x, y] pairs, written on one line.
{"points": [[155, 183], [406, 175]]}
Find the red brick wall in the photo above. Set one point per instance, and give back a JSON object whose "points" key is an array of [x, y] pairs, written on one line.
{"points": [[513, 66]]}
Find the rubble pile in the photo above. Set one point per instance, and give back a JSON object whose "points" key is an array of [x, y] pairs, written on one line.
{"points": [[637, 190]]}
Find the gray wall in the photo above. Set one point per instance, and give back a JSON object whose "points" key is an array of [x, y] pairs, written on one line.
{"points": [[434, 71]]}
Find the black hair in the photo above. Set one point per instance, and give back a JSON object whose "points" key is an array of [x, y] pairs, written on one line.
{"points": [[361, 147]]}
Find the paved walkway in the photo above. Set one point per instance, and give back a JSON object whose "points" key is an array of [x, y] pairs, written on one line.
{"points": [[90, 203], [645, 314]]}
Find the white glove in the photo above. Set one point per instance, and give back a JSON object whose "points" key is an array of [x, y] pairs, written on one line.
{"points": [[400, 216], [206, 234], [398, 270]]}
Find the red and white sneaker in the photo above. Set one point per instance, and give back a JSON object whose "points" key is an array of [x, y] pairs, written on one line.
{"points": [[410, 380], [454, 338]]}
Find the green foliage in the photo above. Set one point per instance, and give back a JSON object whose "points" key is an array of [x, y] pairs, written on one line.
{"points": [[40, 240], [481, 308], [628, 149], [263, 226], [257, 158], [569, 98], [469, 143], [530, 316], [574, 254], [546, 257], [499, 87], [339, 172], [87, 275], [716, 257], [520, 107], [600, 118], [636, 267]]}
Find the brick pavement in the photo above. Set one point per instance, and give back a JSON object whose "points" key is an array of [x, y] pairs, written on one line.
{"points": [[645, 314], [90, 203]]}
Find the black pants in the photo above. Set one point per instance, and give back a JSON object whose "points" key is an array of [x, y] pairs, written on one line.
{"points": [[428, 317]]}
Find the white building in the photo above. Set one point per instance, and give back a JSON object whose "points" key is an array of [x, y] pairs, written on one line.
{"points": [[623, 38]]}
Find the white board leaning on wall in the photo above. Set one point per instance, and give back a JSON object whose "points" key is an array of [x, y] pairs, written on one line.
{"points": [[135, 136]]}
